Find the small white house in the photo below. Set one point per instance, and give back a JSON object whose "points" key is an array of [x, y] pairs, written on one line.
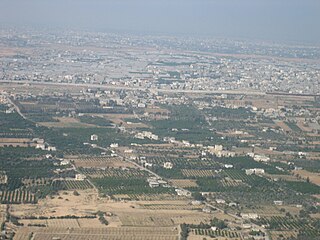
{"points": [[228, 166], [114, 145], [220, 201], [94, 137], [279, 203], [50, 148], [168, 165], [182, 192], [254, 171], [64, 162], [154, 184], [41, 146], [80, 177], [261, 158], [250, 216]]}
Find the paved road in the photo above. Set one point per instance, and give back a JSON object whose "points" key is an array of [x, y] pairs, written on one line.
{"points": [[16, 107], [116, 87], [132, 162]]}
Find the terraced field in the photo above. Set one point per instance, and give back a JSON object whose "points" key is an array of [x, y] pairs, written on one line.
{"points": [[123, 233]]}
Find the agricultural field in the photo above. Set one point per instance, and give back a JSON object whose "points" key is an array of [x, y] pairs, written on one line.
{"points": [[72, 185], [300, 227], [184, 183], [66, 122], [130, 233], [95, 120], [293, 126], [12, 125], [170, 205], [197, 173], [314, 177], [205, 145], [112, 172], [100, 162], [17, 197], [127, 185], [225, 234]]}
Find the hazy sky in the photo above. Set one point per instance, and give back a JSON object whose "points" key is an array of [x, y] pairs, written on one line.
{"points": [[277, 20]]}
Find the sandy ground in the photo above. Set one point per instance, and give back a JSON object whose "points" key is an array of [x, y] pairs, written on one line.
{"points": [[119, 119], [102, 163], [184, 183], [283, 126], [314, 177], [67, 122], [125, 213]]}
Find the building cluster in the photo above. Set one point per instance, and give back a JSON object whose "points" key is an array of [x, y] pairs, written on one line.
{"points": [[127, 63]]}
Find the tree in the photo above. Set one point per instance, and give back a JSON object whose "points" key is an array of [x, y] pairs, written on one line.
{"points": [[184, 231], [215, 222], [198, 196]]}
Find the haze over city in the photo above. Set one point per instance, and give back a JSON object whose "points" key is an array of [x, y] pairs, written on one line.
{"points": [[160, 120], [292, 21]]}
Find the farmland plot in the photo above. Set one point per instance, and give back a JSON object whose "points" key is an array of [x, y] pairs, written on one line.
{"points": [[184, 183], [218, 233], [17, 196], [101, 162], [72, 184], [112, 172], [197, 173], [121, 233]]}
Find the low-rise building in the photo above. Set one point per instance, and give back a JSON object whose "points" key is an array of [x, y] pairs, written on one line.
{"points": [[255, 171], [94, 137], [249, 216], [168, 165], [80, 177]]}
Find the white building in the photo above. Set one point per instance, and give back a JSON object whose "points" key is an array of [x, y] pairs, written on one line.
{"points": [[64, 162], [249, 216], [94, 137], [80, 177], [218, 147], [220, 201], [261, 158], [41, 146], [279, 203], [168, 165], [228, 166], [255, 171], [154, 184], [182, 192], [114, 145], [51, 148]]}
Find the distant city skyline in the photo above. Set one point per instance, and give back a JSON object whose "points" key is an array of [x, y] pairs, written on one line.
{"points": [[290, 21]]}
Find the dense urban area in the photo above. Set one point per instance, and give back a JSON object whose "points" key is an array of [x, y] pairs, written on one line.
{"points": [[113, 136]]}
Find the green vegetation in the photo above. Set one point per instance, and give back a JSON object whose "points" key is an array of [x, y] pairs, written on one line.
{"points": [[14, 126], [293, 126], [230, 113], [304, 227], [101, 218], [41, 117], [303, 187], [246, 162], [72, 185], [309, 165], [99, 121], [111, 186], [185, 123]]}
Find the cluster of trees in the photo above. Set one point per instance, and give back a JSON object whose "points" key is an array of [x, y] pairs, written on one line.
{"points": [[101, 217], [215, 222], [184, 231]]}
